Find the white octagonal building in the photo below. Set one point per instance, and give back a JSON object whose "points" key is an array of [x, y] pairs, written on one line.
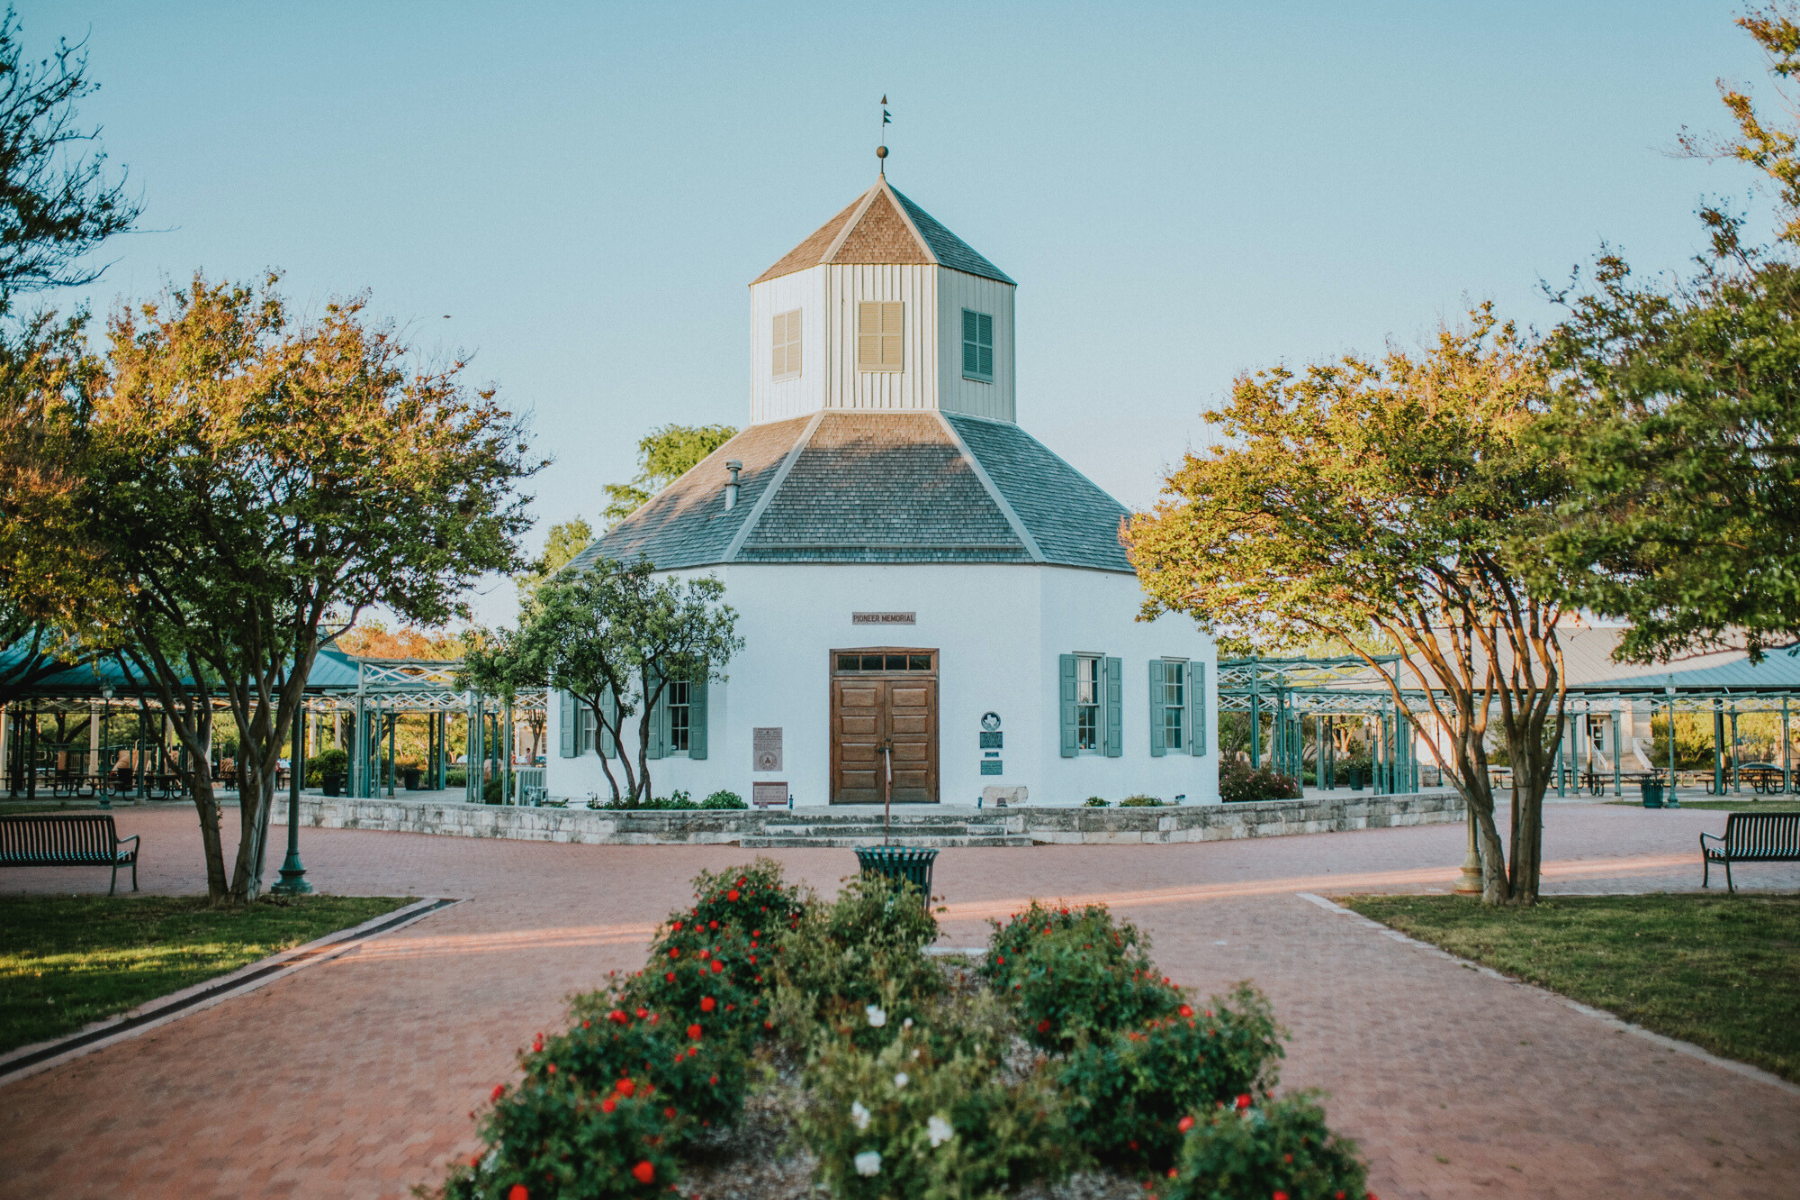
{"points": [[934, 605]]}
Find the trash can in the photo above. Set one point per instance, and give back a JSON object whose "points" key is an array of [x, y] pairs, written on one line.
{"points": [[899, 862], [1652, 790]]}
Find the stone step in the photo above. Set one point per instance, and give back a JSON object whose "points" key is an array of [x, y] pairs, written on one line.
{"points": [[914, 841], [859, 830]]}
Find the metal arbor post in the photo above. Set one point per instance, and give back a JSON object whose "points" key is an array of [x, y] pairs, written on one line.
{"points": [[1718, 747], [1737, 779], [1618, 762], [1787, 754]]}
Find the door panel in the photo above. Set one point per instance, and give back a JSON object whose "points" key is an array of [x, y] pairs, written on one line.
{"points": [[870, 709]]}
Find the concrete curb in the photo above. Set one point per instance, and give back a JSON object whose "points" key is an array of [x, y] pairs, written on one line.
{"points": [[26, 1061]]}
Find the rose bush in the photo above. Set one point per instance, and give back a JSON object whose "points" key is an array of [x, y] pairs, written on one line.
{"points": [[554, 1138], [1128, 1091], [1257, 1150], [1077, 974]]}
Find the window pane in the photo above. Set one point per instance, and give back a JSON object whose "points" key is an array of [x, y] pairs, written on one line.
{"points": [[871, 662], [896, 662], [848, 662], [1087, 726], [920, 662], [1172, 724]]}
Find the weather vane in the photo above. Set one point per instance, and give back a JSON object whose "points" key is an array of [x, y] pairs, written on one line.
{"points": [[887, 118]]}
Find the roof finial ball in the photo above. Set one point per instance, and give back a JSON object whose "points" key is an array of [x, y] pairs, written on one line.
{"points": [[887, 118]]}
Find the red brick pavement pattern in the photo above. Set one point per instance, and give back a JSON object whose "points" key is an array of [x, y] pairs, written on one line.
{"points": [[355, 1078]]}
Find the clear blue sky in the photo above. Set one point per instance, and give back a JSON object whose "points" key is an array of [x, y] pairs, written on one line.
{"points": [[1183, 191]]}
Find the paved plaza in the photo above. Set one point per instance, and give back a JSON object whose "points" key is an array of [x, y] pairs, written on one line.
{"points": [[355, 1078]]}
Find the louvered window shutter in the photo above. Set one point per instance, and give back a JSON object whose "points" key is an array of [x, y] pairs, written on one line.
{"points": [[697, 715], [659, 721], [793, 347], [971, 343], [1158, 701], [879, 326], [784, 343], [1115, 708], [1066, 695], [604, 741], [1196, 690], [565, 716], [985, 342]]}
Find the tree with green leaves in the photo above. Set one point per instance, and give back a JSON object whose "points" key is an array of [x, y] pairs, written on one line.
{"points": [[665, 454], [1371, 502], [58, 202], [565, 540], [1678, 410], [613, 637], [255, 483]]}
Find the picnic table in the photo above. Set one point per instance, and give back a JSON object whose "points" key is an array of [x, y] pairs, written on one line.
{"points": [[1767, 778]]}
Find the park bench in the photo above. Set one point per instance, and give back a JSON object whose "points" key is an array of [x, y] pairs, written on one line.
{"points": [[1751, 837], [81, 840]]}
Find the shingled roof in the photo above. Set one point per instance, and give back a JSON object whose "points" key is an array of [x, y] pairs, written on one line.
{"points": [[863, 487], [883, 226]]}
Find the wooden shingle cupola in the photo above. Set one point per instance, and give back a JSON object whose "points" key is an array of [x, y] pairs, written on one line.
{"points": [[882, 309]]}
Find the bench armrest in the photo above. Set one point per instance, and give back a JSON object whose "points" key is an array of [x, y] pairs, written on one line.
{"points": [[132, 838], [1705, 837]]}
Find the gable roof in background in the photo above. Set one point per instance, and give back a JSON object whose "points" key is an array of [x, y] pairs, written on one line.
{"points": [[883, 226]]}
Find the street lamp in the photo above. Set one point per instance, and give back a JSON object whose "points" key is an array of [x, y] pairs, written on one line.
{"points": [[293, 875]]}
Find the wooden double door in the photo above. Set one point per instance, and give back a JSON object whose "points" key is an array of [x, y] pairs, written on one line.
{"points": [[884, 726]]}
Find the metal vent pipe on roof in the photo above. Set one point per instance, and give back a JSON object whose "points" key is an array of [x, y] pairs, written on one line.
{"points": [[731, 488]]}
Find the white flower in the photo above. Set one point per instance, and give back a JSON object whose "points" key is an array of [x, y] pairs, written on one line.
{"points": [[901, 1080], [877, 1017], [859, 1114], [939, 1131], [906, 1024], [868, 1162]]}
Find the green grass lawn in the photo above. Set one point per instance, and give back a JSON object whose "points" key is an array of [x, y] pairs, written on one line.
{"points": [[1740, 804], [69, 960], [1722, 972]]}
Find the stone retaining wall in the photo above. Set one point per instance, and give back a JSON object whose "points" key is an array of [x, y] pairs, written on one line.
{"points": [[1095, 826]]}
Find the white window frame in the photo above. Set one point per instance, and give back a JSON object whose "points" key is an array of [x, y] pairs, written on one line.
{"points": [[1175, 675], [1097, 663], [784, 346], [586, 728], [678, 718], [977, 345]]}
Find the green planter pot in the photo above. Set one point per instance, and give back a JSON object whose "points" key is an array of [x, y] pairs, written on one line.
{"points": [[334, 783], [899, 862], [1356, 779]]}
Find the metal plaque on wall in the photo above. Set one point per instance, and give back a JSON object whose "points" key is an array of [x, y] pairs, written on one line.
{"points": [[765, 747], [990, 766]]}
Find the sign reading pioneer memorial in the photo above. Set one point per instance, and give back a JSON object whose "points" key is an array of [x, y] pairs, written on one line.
{"points": [[884, 618], [765, 747]]}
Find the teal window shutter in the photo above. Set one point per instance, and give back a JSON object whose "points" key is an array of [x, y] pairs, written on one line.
{"points": [[609, 745], [565, 716], [697, 715], [1196, 690], [659, 721], [978, 345], [1158, 701], [1115, 708], [1066, 693]]}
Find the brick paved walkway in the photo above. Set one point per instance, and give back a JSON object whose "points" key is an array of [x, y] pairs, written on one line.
{"points": [[355, 1078]]}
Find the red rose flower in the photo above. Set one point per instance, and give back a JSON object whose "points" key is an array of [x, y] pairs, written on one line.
{"points": [[694, 1032], [714, 1081], [642, 1013], [608, 1104], [499, 1091], [1279, 1196], [1185, 1124], [676, 927], [644, 1172], [670, 977], [1243, 1101], [617, 1017], [625, 1088], [712, 925], [707, 1004], [732, 895], [675, 952], [518, 1193], [1133, 1145], [669, 1113], [551, 1068], [718, 967], [756, 933], [475, 1161], [1185, 1011]]}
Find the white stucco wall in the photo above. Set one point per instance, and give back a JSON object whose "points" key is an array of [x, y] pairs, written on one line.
{"points": [[998, 630]]}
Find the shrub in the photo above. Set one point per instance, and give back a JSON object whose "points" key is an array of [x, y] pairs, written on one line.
{"points": [[724, 799], [904, 1121], [757, 896], [1140, 802], [867, 947], [693, 1059], [554, 1137], [1239, 784], [326, 762], [1257, 1151], [1076, 974], [1130, 1090], [1096, 802], [455, 777]]}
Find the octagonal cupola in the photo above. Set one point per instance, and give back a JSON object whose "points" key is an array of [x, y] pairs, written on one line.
{"points": [[882, 309]]}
